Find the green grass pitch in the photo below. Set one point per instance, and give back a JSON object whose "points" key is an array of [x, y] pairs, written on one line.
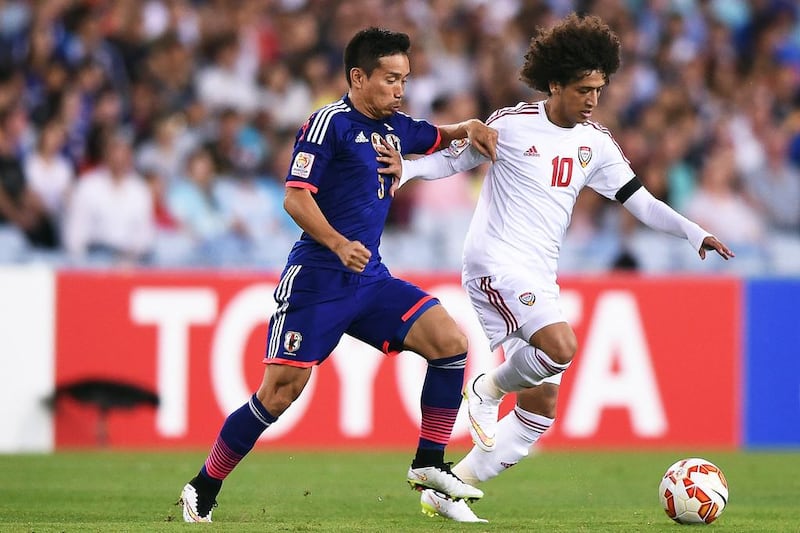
{"points": [[365, 491]]}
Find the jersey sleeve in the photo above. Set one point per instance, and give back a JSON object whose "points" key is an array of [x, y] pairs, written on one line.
{"points": [[613, 170], [422, 137], [458, 157], [314, 147]]}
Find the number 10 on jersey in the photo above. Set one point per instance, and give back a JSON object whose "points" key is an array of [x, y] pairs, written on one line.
{"points": [[562, 171]]}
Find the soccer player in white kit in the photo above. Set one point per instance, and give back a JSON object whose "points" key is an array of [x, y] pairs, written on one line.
{"points": [[547, 152]]}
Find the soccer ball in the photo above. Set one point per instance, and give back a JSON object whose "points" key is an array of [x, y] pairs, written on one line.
{"points": [[693, 491]]}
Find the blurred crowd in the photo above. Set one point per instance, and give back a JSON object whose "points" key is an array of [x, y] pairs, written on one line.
{"points": [[159, 132]]}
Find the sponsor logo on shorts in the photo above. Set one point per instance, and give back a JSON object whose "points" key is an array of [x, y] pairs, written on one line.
{"points": [[528, 298], [302, 164], [291, 341]]}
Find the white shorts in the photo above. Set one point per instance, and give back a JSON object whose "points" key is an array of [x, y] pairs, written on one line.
{"points": [[510, 311]]}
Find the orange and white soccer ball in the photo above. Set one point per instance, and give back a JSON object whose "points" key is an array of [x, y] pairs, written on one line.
{"points": [[693, 491]]}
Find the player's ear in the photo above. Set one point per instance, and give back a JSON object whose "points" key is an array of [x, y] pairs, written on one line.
{"points": [[555, 88], [357, 76]]}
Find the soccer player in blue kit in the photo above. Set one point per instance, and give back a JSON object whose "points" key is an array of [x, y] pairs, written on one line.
{"points": [[334, 281]]}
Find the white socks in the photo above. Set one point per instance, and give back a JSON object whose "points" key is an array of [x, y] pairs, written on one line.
{"points": [[516, 433], [524, 368]]}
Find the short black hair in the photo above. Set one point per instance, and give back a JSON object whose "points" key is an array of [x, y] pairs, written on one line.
{"points": [[570, 50], [369, 45]]}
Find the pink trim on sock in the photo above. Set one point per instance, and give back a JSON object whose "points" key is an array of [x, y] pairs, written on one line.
{"points": [[437, 424], [221, 460]]}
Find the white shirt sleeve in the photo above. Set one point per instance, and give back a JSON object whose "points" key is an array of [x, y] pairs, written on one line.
{"points": [[78, 219], [661, 217], [458, 157]]}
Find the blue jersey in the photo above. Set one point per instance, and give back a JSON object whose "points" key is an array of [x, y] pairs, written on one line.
{"points": [[334, 157]]}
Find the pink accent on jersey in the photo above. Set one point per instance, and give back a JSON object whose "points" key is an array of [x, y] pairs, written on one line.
{"points": [[302, 185], [414, 309], [436, 143], [287, 362]]}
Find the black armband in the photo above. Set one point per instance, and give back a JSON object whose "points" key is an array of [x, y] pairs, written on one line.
{"points": [[628, 189]]}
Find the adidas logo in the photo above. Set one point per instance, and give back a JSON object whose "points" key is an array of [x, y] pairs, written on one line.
{"points": [[361, 138], [388, 127], [531, 151]]}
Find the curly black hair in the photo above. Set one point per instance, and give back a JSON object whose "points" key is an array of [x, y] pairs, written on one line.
{"points": [[369, 45], [569, 50]]}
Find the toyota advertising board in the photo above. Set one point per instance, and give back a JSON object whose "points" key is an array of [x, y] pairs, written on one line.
{"points": [[657, 365]]}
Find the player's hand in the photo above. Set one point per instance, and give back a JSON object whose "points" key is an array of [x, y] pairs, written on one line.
{"points": [[712, 243], [482, 137], [393, 162], [353, 255]]}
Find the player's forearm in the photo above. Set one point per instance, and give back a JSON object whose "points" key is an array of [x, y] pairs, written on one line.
{"points": [[441, 164], [304, 210], [451, 132], [661, 217]]}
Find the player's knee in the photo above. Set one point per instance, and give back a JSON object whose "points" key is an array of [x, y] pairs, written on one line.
{"points": [[275, 403], [276, 400], [563, 350], [450, 342], [541, 400]]}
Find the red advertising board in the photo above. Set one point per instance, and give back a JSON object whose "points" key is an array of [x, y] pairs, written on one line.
{"points": [[657, 364]]}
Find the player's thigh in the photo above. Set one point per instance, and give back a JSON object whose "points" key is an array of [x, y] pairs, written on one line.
{"points": [[315, 307], [509, 306], [394, 309], [435, 334]]}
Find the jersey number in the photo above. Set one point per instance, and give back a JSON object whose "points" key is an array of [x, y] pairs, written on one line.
{"points": [[381, 187], [562, 171]]}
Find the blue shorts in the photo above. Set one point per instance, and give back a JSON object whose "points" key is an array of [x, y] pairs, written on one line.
{"points": [[316, 306]]}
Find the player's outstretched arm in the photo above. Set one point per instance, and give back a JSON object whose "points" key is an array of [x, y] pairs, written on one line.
{"points": [[481, 136], [459, 157], [661, 217], [302, 207]]}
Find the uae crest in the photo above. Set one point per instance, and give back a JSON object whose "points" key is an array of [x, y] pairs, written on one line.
{"points": [[584, 155]]}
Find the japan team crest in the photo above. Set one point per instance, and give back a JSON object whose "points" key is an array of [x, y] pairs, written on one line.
{"points": [[584, 155], [392, 139], [291, 341], [527, 298]]}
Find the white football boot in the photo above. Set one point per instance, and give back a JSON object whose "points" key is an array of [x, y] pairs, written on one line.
{"points": [[483, 412], [437, 504], [196, 508], [440, 478]]}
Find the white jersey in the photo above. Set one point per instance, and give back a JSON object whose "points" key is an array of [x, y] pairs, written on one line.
{"points": [[528, 195]]}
